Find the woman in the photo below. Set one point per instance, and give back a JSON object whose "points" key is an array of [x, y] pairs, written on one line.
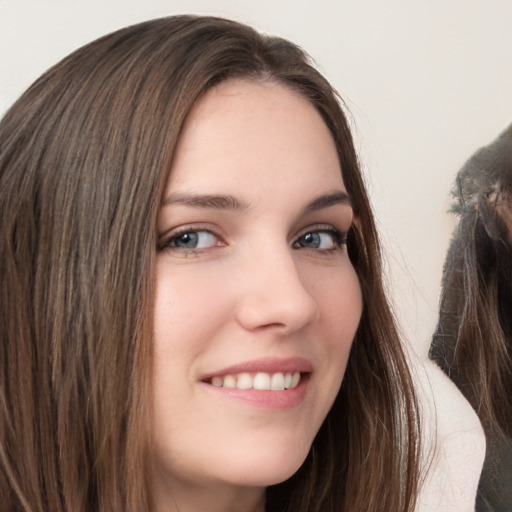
{"points": [[189, 258]]}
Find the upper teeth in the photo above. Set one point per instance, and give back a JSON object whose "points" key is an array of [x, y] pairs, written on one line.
{"points": [[265, 381]]}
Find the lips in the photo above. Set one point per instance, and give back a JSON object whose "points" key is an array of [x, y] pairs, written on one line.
{"points": [[270, 384]]}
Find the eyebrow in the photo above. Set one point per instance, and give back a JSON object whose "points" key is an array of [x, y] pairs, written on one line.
{"points": [[213, 201], [227, 202], [326, 200]]}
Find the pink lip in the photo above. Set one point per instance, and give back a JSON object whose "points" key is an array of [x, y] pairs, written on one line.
{"points": [[269, 400], [266, 365]]}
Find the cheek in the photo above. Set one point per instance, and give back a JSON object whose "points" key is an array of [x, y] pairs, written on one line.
{"points": [[338, 294], [181, 296], [340, 302], [340, 305]]}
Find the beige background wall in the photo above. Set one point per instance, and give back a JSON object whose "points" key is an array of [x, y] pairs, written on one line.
{"points": [[427, 82]]}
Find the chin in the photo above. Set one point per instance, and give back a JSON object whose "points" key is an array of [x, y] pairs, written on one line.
{"points": [[279, 475], [267, 470]]}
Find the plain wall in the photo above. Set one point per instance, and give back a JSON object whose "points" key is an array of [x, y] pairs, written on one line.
{"points": [[427, 82]]}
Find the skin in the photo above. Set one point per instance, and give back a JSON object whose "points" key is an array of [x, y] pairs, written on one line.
{"points": [[259, 279]]}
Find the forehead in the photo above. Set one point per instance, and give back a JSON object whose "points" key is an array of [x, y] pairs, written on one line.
{"points": [[252, 131]]}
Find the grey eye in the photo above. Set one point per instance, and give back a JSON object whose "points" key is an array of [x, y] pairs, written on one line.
{"points": [[318, 240], [194, 240]]}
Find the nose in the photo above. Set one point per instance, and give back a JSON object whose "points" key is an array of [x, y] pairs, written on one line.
{"points": [[273, 294]]}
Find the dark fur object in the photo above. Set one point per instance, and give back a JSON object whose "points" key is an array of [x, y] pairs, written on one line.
{"points": [[473, 339]]}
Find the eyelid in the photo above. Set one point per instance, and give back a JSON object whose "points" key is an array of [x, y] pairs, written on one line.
{"points": [[328, 228]]}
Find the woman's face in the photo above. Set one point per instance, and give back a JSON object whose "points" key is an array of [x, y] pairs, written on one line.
{"points": [[257, 301]]}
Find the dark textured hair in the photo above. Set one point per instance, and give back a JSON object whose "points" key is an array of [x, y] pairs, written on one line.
{"points": [[473, 339], [84, 157]]}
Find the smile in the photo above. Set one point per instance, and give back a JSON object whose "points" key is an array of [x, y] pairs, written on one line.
{"points": [[268, 383], [260, 381]]}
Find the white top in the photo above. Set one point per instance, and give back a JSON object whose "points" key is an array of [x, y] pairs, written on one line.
{"points": [[454, 443]]}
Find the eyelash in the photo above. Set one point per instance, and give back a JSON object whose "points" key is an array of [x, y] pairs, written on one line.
{"points": [[339, 240]]}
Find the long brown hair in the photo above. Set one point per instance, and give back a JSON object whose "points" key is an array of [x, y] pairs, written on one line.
{"points": [[84, 156]]}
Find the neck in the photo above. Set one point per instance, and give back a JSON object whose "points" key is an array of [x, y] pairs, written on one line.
{"points": [[179, 496]]}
